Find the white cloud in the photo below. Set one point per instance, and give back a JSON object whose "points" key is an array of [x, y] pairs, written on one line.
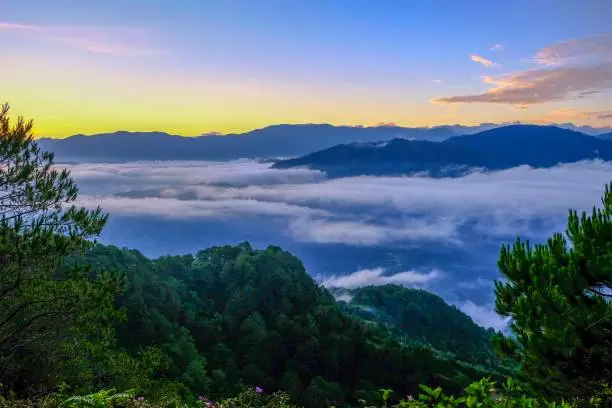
{"points": [[484, 316], [484, 61], [359, 210], [183, 209], [497, 47], [345, 297], [377, 277], [325, 231]]}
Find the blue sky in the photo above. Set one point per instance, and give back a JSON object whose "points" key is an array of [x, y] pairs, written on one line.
{"points": [[196, 66]]}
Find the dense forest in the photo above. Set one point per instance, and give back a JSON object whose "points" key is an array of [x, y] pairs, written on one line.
{"points": [[79, 321], [415, 316], [229, 317]]}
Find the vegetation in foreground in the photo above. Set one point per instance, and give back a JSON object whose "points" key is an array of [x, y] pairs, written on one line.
{"points": [[76, 317]]}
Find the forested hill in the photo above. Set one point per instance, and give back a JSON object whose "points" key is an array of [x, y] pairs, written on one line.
{"points": [[232, 316], [418, 316], [495, 149]]}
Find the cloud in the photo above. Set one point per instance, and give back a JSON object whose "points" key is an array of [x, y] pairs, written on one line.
{"points": [[345, 297], [435, 81], [564, 52], [497, 47], [539, 86], [108, 40], [361, 211], [573, 115], [185, 209], [482, 60], [377, 277], [575, 69], [484, 316], [325, 231]]}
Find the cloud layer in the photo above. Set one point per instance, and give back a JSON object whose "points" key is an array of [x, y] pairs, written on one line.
{"points": [[360, 211], [380, 217]]}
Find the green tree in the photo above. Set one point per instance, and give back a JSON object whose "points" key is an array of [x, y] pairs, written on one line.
{"points": [[558, 297], [42, 303]]}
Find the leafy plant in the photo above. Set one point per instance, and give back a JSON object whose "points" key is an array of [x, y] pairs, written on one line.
{"points": [[101, 399]]}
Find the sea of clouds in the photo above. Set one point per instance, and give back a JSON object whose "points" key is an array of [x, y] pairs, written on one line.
{"points": [[306, 208]]}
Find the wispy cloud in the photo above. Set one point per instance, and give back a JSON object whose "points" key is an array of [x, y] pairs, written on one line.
{"points": [[484, 61], [173, 208], [578, 68], [98, 40], [435, 81], [377, 277], [497, 47], [538, 86], [573, 115], [564, 52], [360, 233]]}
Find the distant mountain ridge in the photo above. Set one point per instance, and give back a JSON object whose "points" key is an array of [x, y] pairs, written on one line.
{"points": [[265, 143], [494, 149]]}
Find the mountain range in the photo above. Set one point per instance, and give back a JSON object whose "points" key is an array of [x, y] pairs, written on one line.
{"points": [[269, 142], [494, 149]]}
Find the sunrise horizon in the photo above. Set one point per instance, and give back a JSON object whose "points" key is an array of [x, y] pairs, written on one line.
{"points": [[233, 67], [598, 129]]}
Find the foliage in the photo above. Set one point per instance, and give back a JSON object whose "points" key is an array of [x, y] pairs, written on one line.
{"points": [[414, 315], [479, 394], [559, 299], [227, 317], [47, 314], [101, 399]]}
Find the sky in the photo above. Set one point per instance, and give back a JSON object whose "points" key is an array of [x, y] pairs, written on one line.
{"points": [[197, 66]]}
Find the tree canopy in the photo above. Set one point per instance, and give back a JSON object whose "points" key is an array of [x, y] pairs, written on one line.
{"points": [[558, 296]]}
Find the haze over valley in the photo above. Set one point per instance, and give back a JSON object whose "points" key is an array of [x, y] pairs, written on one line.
{"points": [[442, 234]]}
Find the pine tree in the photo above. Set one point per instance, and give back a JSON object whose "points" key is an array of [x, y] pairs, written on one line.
{"points": [[41, 303], [558, 297]]}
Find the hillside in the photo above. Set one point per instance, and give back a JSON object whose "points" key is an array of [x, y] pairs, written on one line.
{"points": [[233, 316], [418, 316], [495, 149], [606, 136]]}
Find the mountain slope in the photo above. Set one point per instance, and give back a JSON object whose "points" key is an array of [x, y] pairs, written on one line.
{"points": [[605, 136], [229, 316], [415, 315], [495, 149]]}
